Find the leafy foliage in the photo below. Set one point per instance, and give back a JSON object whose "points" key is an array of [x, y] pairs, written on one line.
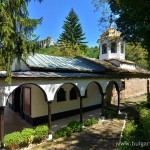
{"points": [[40, 133], [75, 126], [51, 50], [137, 54], [13, 140], [69, 50], [17, 140], [135, 26], [16, 32], [92, 52], [137, 131], [27, 135], [63, 132], [145, 122], [108, 113], [89, 122], [66, 51]]}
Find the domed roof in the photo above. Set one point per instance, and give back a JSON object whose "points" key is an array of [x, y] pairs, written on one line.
{"points": [[110, 32]]}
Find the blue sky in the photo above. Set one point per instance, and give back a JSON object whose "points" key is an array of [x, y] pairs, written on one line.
{"points": [[54, 13]]}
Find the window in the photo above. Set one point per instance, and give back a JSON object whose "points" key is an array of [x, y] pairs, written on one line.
{"points": [[122, 48], [113, 47], [61, 95], [104, 49], [123, 85], [73, 94]]}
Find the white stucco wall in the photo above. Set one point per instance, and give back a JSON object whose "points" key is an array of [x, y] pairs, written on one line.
{"points": [[50, 86], [110, 55], [38, 103], [128, 66], [65, 105], [19, 66], [10, 99], [93, 95]]}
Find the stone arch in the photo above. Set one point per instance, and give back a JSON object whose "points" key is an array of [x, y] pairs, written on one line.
{"points": [[75, 86], [7, 91], [66, 105], [93, 95], [21, 85], [30, 101], [112, 91], [99, 87]]}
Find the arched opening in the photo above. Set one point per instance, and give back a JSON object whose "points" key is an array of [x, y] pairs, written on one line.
{"points": [[104, 49], [66, 101], [61, 95], [26, 107], [93, 96], [73, 93], [122, 48], [112, 91], [114, 47]]}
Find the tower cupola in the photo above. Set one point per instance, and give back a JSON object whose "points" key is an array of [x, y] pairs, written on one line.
{"points": [[111, 44]]}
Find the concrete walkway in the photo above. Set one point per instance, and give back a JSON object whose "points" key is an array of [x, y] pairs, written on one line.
{"points": [[13, 122]]}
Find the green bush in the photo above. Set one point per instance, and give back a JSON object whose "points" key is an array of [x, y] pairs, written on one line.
{"points": [[13, 140], [63, 132], [141, 106], [145, 122], [40, 133], [129, 130], [128, 136], [109, 113], [75, 126], [89, 122], [27, 135]]}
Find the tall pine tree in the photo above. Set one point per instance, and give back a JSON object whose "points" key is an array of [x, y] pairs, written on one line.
{"points": [[16, 31], [72, 33]]}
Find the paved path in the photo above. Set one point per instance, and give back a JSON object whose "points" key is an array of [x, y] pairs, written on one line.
{"points": [[13, 121]]}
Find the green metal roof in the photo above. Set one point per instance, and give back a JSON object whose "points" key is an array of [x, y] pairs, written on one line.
{"points": [[47, 62]]}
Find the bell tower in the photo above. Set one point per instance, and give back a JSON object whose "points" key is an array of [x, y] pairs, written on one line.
{"points": [[111, 44]]}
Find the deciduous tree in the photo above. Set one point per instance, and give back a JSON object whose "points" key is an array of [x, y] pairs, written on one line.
{"points": [[132, 19]]}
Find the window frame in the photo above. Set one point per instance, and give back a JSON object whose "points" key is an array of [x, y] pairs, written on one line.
{"points": [[73, 94], [122, 48], [104, 48], [114, 47], [61, 95]]}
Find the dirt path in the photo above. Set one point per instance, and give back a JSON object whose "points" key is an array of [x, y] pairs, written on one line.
{"points": [[101, 136]]}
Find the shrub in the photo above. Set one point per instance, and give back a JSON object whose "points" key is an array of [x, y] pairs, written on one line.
{"points": [[13, 140], [141, 106], [27, 135], [108, 113], [89, 122], [63, 132], [128, 136], [40, 133], [75, 126], [129, 130], [145, 122]]}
